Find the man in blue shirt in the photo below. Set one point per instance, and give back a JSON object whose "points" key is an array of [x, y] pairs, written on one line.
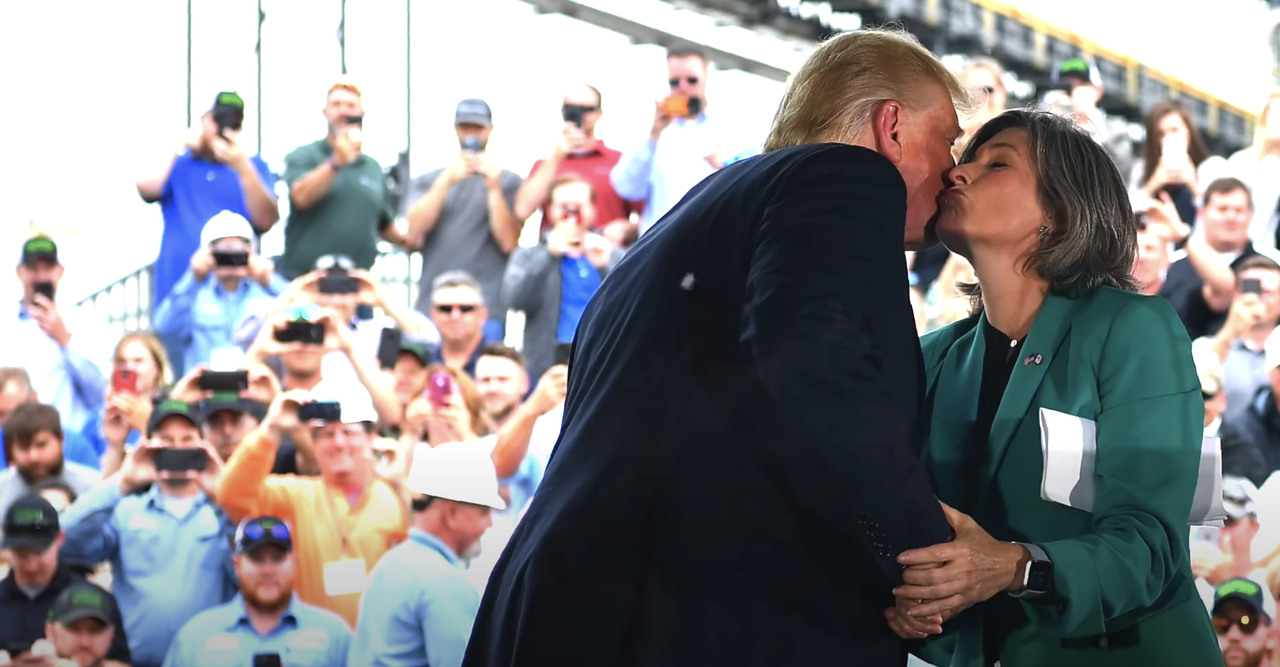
{"points": [[267, 618], [226, 275], [418, 606], [208, 173], [168, 544]]}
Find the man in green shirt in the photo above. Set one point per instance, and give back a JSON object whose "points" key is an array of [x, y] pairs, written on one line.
{"points": [[339, 203]]}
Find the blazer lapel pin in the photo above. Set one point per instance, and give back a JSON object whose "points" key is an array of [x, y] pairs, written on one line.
{"points": [[1033, 359]]}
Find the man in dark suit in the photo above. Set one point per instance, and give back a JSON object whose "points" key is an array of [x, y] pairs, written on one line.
{"points": [[738, 467]]}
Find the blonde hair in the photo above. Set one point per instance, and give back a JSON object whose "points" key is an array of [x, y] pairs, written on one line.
{"points": [[164, 373], [835, 91]]}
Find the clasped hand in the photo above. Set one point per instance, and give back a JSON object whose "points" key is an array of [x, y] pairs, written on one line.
{"points": [[942, 580]]}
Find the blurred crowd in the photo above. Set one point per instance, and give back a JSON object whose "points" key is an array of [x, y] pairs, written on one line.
{"points": [[293, 467]]}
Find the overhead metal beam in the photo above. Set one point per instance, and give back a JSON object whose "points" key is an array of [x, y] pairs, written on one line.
{"points": [[643, 34]]}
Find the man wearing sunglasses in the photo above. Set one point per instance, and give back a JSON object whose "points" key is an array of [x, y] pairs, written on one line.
{"points": [[580, 153], [267, 618], [207, 173], [1243, 612], [681, 147]]}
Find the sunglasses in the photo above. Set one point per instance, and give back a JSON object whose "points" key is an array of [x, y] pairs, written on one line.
{"points": [[302, 312], [1247, 624], [330, 262], [448, 309], [675, 83]]}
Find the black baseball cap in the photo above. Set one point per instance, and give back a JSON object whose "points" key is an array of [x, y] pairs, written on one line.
{"points": [[31, 522], [420, 351], [228, 110], [1078, 68], [473, 112], [38, 248], [1247, 591], [82, 600], [170, 407], [263, 530], [230, 401]]}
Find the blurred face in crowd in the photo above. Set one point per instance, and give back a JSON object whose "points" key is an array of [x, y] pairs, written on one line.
{"points": [[572, 210], [469, 130], [342, 451], [12, 394], [990, 89], [134, 356], [1172, 124], [1269, 281], [1084, 95], [35, 569], [266, 576], [1226, 217], [1242, 634], [178, 433], [582, 96], [502, 383], [687, 75], [1153, 259], [231, 275], [209, 130], [467, 523], [84, 642], [226, 429], [341, 103], [40, 270], [38, 458], [995, 200], [411, 378], [926, 136], [458, 313]]}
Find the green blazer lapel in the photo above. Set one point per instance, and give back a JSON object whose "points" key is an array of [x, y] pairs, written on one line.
{"points": [[955, 406], [1047, 333]]}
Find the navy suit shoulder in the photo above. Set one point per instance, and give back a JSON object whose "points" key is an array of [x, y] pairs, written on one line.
{"points": [[738, 466]]}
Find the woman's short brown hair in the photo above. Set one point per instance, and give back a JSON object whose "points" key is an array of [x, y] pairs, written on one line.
{"points": [[1091, 240], [833, 94]]}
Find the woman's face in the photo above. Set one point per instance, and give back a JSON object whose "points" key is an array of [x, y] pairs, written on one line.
{"points": [[1171, 125], [993, 201], [134, 356]]}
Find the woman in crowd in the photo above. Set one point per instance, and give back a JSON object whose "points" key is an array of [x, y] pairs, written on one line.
{"points": [[140, 369], [1058, 345], [1174, 159]]}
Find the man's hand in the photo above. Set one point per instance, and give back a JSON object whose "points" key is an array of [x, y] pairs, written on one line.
{"points": [[135, 410], [907, 626], [307, 285], [572, 141], [261, 269], [202, 264], [1162, 216], [207, 479], [1247, 311], [139, 467], [337, 334], [416, 416], [42, 654], [661, 121], [371, 291], [461, 168], [954, 576], [551, 389], [598, 250], [492, 173], [187, 389], [228, 152], [115, 428], [346, 148], [559, 243], [50, 320], [282, 416], [263, 385]]}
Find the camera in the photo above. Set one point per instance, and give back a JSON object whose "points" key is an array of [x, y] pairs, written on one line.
{"points": [[223, 381], [301, 331], [326, 411], [230, 258], [172, 459], [338, 281]]}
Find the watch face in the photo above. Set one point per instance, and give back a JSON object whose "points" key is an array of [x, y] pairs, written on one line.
{"points": [[1039, 576]]}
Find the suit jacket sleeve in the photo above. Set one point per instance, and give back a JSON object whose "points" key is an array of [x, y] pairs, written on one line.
{"points": [[826, 242], [1149, 434]]}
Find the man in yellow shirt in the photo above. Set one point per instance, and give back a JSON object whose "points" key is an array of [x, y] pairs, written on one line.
{"points": [[345, 519]]}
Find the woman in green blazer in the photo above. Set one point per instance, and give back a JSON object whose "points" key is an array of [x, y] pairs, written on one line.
{"points": [[1098, 575]]}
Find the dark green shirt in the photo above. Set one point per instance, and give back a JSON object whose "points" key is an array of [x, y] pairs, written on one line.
{"points": [[346, 221]]}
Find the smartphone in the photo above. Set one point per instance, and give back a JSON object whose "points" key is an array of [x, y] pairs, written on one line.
{"points": [[301, 331], [223, 381], [356, 121], [173, 459], [326, 411], [389, 348], [472, 145], [572, 114], [124, 381], [43, 287], [266, 660], [563, 350], [678, 106], [1211, 534], [1251, 286], [230, 258], [338, 282], [440, 387], [16, 647]]}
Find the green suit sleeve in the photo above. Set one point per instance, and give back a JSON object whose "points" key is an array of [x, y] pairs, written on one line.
{"points": [[1149, 433]]}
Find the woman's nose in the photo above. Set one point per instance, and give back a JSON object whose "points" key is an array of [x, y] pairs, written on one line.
{"points": [[959, 175]]}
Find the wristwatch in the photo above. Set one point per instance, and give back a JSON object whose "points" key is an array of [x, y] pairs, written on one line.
{"points": [[1037, 579]]}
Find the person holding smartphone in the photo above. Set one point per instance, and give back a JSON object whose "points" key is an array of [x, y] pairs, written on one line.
{"points": [[62, 348], [158, 524], [226, 276], [282, 626]]}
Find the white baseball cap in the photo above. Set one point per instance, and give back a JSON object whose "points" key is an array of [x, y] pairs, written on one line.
{"points": [[351, 396], [226, 225], [459, 471]]}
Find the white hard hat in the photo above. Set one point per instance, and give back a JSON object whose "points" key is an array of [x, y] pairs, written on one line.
{"points": [[459, 471], [226, 225], [351, 397]]}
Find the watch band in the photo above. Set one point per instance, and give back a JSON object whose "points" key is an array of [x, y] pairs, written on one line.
{"points": [[1037, 555]]}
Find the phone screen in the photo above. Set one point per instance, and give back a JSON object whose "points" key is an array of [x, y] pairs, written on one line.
{"points": [[224, 380], [174, 459], [124, 381], [43, 287], [440, 388], [389, 348], [1251, 286]]}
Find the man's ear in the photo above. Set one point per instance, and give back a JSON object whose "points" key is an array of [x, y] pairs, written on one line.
{"points": [[886, 128]]}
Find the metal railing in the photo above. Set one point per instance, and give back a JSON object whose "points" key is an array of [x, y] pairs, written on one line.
{"points": [[126, 304]]}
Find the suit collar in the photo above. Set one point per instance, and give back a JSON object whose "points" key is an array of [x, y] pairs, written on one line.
{"points": [[1047, 333]]}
